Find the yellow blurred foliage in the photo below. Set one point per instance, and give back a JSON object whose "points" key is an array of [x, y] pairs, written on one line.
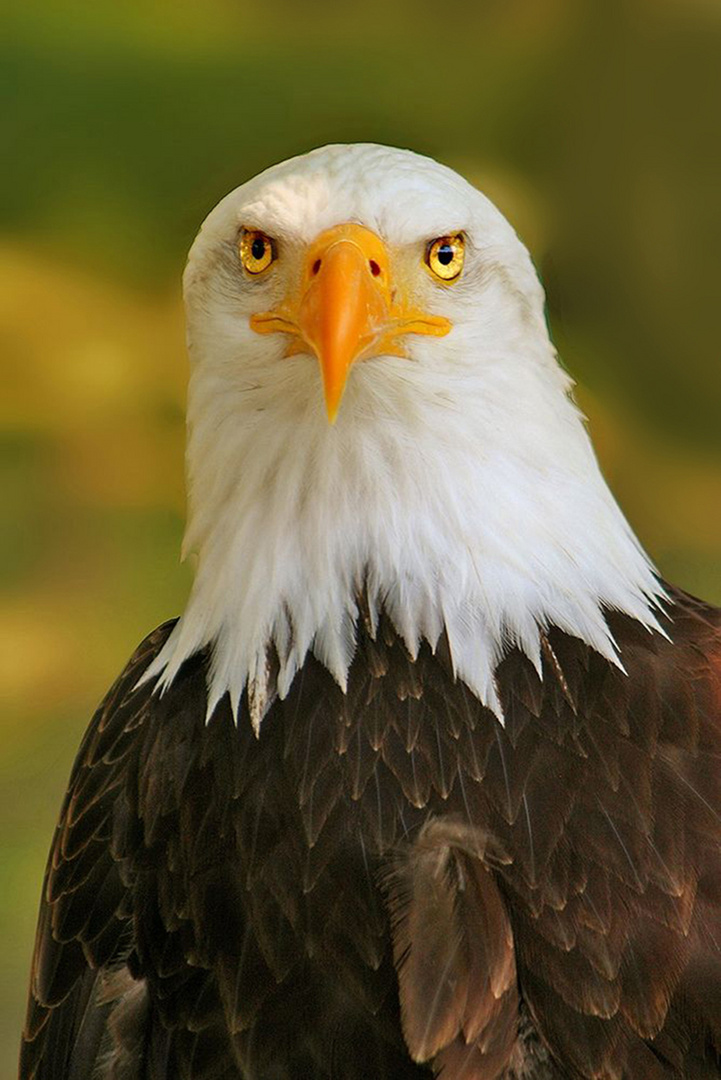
{"points": [[100, 369]]}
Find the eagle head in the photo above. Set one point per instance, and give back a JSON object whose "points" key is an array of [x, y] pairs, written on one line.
{"points": [[376, 410]]}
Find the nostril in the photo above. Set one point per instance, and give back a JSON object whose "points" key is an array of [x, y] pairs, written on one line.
{"points": [[375, 268], [316, 266]]}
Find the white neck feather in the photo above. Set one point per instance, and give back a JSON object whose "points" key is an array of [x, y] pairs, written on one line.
{"points": [[463, 496]]}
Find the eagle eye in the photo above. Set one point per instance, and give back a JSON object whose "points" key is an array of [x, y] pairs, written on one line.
{"points": [[445, 255], [256, 250]]}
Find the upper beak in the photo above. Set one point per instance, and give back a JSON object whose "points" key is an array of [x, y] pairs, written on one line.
{"points": [[347, 309]]}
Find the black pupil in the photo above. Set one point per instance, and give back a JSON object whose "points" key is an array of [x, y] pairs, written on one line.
{"points": [[445, 254], [257, 248]]}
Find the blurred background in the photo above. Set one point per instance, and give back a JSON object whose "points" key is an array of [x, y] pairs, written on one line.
{"points": [[595, 127]]}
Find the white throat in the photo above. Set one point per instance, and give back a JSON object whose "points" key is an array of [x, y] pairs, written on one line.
{"points": [[450, 518]]}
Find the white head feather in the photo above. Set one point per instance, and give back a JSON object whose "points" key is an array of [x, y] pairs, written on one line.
{"points": [[458, 485]]}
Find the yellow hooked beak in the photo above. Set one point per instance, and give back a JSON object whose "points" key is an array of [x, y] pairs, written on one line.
{"points": [[347, 308]]}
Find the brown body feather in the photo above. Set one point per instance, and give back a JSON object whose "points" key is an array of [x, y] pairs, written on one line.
{"points": [[388, 883]]}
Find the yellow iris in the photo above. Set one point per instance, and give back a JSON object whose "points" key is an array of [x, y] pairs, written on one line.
{"points": [[445, 256], [256, 251]]}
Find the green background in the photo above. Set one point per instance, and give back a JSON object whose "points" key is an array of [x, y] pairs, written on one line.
{"points": [[594, 127]]}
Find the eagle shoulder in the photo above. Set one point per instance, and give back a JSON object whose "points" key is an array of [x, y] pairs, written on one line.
{"points": [[83, 996]]}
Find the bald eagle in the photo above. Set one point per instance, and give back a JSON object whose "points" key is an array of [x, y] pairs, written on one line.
{"points": [[426, 779]]}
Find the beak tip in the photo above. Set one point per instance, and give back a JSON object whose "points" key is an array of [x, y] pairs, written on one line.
{"points": [[334, 391]]}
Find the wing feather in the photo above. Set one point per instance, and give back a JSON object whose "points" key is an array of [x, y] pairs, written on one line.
{"points": [[453, 949]]}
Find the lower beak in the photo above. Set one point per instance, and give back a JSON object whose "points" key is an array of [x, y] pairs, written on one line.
{"points": [[347, 309]]}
